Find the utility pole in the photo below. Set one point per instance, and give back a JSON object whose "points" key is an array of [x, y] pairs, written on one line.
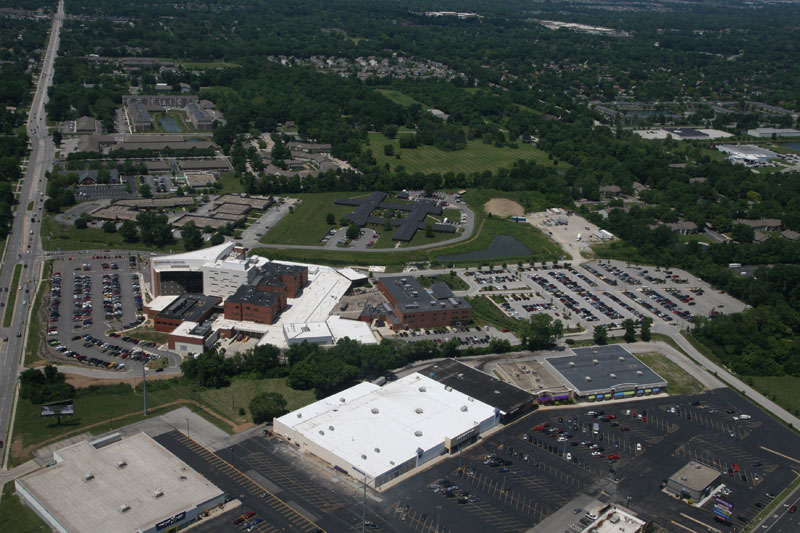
{"points": [[144, 389]]}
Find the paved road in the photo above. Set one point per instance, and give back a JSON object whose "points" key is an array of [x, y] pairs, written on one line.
{"points": [[24, 245], [781, 520]]}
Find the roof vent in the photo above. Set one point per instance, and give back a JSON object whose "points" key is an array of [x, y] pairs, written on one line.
{"points": [[448, 388], [572, 363], [418, 410], [321, 432], [422, 389], [363, 456], [183, 478], [377, 450], [464, 408], [612, 376], [124, 508], [375, 410], [417, 433], [470, 399], [596, 361], [391, 463], [341, 399], [122, 464], [330, 428], [158, 493], [88, 477], [683, 478], [299, 415], [588, 378]]}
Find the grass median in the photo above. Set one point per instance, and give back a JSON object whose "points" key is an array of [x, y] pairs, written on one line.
{"points": [[12, 296], [37, 317]]}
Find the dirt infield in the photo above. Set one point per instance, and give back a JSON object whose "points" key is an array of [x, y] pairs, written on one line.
{"points": [[503, 207]]}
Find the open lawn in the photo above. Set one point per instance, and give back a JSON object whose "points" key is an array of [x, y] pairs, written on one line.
{"points": [[57, 236], [16, 517], [147, 334], [399, 98], [453, 281], [308, 224], [485, 312], [476, 157], [12, 296], [679, 381], [96, 411], [785, 390], [35, 326]]}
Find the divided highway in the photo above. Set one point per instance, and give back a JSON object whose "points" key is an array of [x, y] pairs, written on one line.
{"points": [[24, 245]]}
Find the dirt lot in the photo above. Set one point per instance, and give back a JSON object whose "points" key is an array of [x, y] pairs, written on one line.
{"points": [[502, 207]]}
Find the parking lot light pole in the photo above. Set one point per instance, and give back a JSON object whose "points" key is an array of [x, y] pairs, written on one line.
{"points": [[187, 428]]}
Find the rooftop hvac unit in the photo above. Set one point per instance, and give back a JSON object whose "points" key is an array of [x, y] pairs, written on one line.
{"points": [[588, 378], [321, 432], [417, 433], [639, 373], [464, 408], [422, 389], [391, 463], [88, 477], [470, 399], [448, 388], [377, 450], [612, 376], [342, 399], [122, 464], [330, 428], [375, 410], [363, 456], [596, 361], [418, 410], [124, 508], [572, 363], [683, 478], [158, 493], [299, 415], [183, 478]]}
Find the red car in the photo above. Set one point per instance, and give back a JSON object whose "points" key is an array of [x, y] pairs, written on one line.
{"points": [[793, 508], [538, 428], [613, 456], [251, 514]]}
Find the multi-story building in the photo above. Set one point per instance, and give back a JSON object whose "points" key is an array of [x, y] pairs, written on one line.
{"points": [[415, 307], [253, 305], [186, 308]]}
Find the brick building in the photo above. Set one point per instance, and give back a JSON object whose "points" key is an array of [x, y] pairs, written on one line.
{"points": [[415, 307], [253, 305], [186, 308]]}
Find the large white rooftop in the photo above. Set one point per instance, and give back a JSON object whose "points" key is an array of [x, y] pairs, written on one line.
{"points": [[197, 257], [96, 504], [377, 428]]}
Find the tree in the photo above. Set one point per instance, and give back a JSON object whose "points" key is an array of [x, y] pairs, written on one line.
{"points": [[209, 369], [388, 149], [742, 233], [57, 137], [353, 231], [330, 218], [600, 335], [192, 236], [145, 191], [266, 406], [128, 231], [216, 239], [630, 330], [540, 331], [82, 222], [109, 226], [645, 329]]}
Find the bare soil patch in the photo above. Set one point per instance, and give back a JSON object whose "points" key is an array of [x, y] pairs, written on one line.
{"points": [[503, 207]]}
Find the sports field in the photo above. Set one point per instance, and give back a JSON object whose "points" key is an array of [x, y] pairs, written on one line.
{"points": [[476, 157], [399, 98]]}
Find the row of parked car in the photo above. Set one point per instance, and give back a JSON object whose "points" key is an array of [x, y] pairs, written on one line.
{"points": [[82, 301], [564, 298], [647, 305], [112, 296], [667, 304], [55, 303], [94, 361], [587, 296], [123, 352], [137, 292]]}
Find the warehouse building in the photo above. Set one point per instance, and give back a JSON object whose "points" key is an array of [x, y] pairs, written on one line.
{"points": [[604, 373], [133, 484], [695, 480], [780, 133], [376, 434], [415, 307], [746, 152]]}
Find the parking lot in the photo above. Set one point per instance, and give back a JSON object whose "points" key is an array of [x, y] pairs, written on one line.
{"points": [[601, 293], [467, 335], [520, 475], [91, 295]]}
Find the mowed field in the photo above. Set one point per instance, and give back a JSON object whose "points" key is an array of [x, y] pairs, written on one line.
{"points": [[308, 224], [399, 98], [476, 157]]}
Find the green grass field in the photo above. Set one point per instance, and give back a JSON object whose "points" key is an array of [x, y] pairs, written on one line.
{"points": [[485, 312], [308, 224], [679, 381], [147, 334], [99, 408], [476, 157], [399, 98], [30, 205], [15, 516], [35, 326], [12, 296], [59, 236], [785, 390]]}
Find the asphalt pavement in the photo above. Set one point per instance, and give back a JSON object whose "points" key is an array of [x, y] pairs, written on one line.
{"points": [[23, 244]]}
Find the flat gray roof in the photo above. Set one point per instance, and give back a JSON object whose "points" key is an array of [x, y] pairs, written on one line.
{"points": [[695, 476], [410, 295], [129, 473], [606, 367]]}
